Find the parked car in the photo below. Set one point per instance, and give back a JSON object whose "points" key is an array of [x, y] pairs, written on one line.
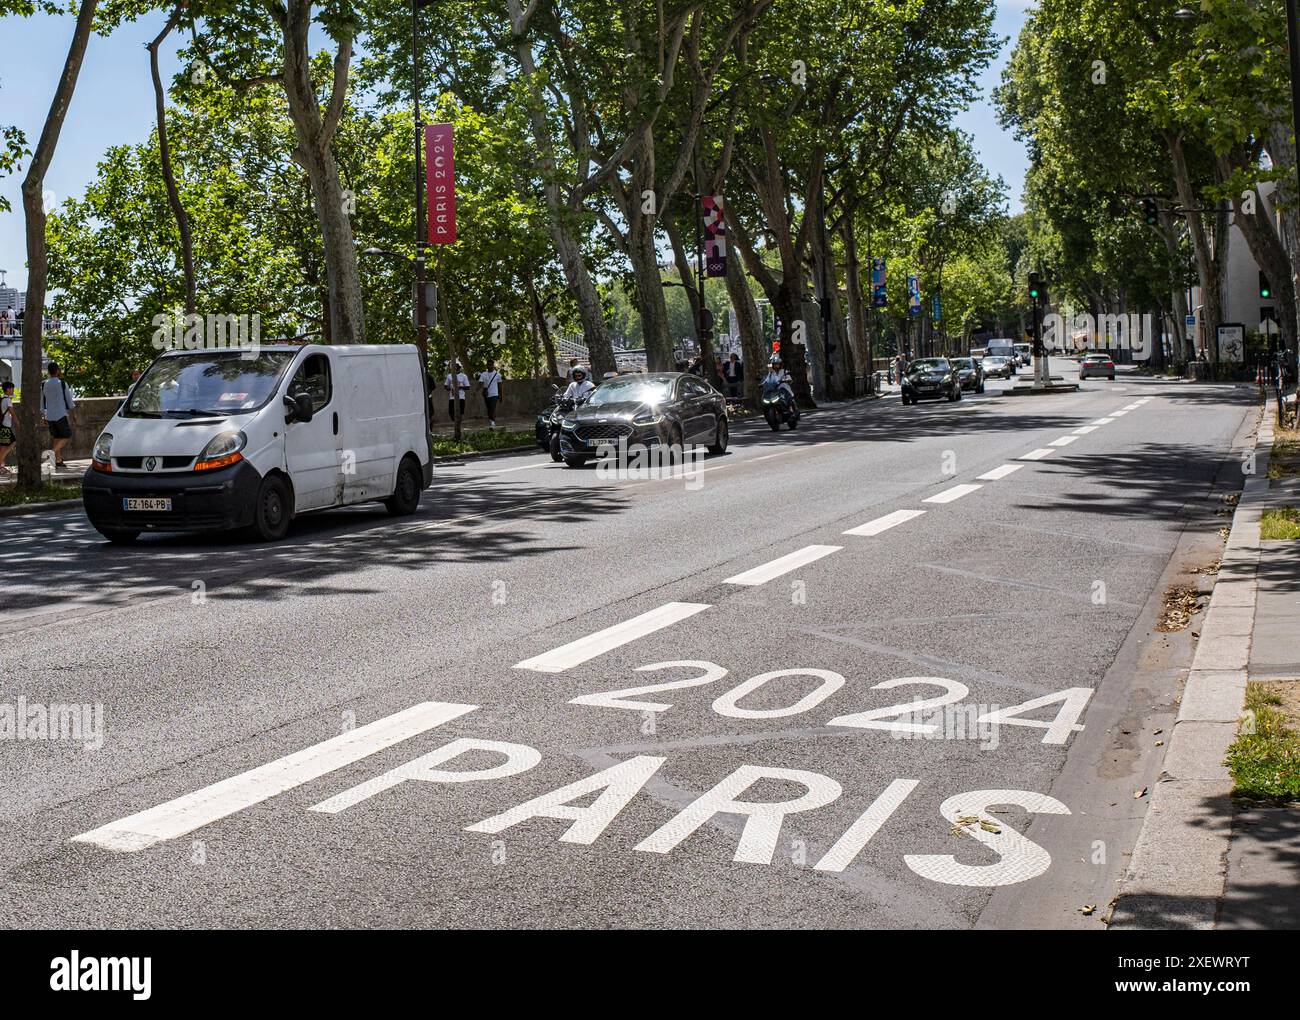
{"points": [[969, 374], [1096, 365], [210, 440], [672, 409], [998, 365], [930, 379]]}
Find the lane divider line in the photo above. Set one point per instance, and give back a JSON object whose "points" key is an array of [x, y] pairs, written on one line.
{"points": [[1118, 414], [1102, 421], [577, 652], [884, 523], [999, 472], [220, 800], [956, 492], [1039, 454], [1083, 430], [1063, 441], [783, 565]]}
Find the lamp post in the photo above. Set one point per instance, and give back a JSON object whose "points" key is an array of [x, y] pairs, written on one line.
{"points": [[421, 242]]}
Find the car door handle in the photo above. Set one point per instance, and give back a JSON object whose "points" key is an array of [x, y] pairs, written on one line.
{"points": [[336, 423]]}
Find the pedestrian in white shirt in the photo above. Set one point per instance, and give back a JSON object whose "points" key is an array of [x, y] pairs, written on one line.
{"points": [[6, 422], [462, 387], [57, 404], [490, 381]]}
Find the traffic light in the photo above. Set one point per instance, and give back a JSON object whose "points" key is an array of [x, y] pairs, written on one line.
{"points": [[1150, 212], [1035, 287], [1265, 290]]}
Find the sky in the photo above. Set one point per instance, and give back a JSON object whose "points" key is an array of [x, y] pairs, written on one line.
{"points": [[113, 105]]}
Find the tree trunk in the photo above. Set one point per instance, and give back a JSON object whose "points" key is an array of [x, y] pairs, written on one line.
{"points": [[1210, 248], [644, 256], [860, 342], [1270, 255], [543, 330], [33, 190], [750, 325], [315, 154], [165, 161]]}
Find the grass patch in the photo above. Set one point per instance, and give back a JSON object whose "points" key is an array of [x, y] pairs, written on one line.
{"points": [[1280, 523], [11, 495], [1264, 760], [1284, 458], [482, 440]]}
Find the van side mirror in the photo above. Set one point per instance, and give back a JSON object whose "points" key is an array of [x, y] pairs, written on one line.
{"points": [[298, 408]]}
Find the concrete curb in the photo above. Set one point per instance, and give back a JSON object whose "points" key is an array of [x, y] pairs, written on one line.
{"points": [[23, 509], [1177, 875]]}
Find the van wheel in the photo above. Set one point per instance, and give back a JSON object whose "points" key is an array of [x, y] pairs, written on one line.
{"points": [[273, 511], [119, 536], [405, 499]]}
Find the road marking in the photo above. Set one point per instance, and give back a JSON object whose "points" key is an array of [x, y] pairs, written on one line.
{"points": [[1063, 441], [999, 472], [884, 523], [577, 652], [1083, 430], [1103, 421], [783, 565], [1118, 414], [220, 800], [1039, 454], [521, 467], [948, 495], [1133, 406]]}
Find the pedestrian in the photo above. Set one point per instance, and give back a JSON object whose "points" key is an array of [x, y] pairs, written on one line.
{"points": [[490, 382], [57, 405], [6, 422], [734, 373], [462, 387]]}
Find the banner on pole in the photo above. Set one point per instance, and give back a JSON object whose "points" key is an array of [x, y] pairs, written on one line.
{"points": [[936, 309], [913, 296], [440, 177], [879, 299], [715, 236]]}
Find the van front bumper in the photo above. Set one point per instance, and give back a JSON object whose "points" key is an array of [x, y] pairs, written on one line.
{"points": [[201, 501]]}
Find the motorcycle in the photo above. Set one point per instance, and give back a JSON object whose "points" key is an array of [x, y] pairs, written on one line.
{"points": [[779, 407], [548, 423]]}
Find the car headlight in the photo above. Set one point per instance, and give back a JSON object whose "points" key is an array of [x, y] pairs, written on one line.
{"points": [[222, 451], [568, 423], [648, 418], [103, 447]]}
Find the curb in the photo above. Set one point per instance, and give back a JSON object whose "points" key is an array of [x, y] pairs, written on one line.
{"points": [[22, 509], [1177, 875], [446, 458]]}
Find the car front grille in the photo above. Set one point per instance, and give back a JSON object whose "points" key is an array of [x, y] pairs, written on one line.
{"points": [[166, 463], [602, 430]]}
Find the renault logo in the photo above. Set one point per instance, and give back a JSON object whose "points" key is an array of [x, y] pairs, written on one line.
{"points": [[151, 463]]}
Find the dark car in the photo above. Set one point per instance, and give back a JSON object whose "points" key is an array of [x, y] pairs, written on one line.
{"points": [[930, 379], [998, 365], [969, 374], [670, 409]]}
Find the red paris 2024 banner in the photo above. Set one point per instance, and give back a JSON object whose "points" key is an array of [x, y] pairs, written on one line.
{"points": [[440, 174]]}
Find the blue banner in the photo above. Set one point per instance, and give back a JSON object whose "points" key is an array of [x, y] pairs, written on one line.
{"points": [[913, 296], [878, 296]]}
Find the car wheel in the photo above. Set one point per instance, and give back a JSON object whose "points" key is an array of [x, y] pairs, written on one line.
{"points": [[119, 536], [720, 437], [1111, 378], [676, 446], [273, 510], [555, 448], [405, 499]]}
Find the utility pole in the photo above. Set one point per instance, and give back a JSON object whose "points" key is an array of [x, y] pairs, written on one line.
{"points": [[421, 311]]}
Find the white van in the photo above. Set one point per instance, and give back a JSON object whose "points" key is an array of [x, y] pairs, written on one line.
{"points": [[209, 440]]}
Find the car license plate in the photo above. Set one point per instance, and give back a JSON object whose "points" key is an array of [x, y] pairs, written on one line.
{"points": [[604, 442], [135, 503]]}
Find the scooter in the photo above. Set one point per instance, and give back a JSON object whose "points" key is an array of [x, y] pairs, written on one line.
{"points": [[779, 407]]}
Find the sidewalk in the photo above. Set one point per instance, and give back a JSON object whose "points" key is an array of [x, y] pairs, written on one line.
{"points": [[1202, 861]]}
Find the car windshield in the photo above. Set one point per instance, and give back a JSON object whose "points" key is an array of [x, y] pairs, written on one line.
{"points": [[930, 365], [962, 363], [640, 391], [188, 385]]}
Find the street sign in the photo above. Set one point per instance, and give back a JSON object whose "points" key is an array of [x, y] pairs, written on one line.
{"points": [[715, 236], [430, 303], [440, 177]]}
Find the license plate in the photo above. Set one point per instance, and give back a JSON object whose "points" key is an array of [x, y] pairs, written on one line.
{"points": [[135, 503], [604, 442]]}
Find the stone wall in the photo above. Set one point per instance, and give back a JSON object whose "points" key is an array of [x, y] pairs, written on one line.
{"points": [[91, 414]]}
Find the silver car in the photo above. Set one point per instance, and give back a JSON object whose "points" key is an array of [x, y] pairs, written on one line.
{"points": [[1097, 365]]}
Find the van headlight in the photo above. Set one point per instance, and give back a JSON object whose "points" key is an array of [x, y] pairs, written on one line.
{"points": [[102, 455], [222, 451]]}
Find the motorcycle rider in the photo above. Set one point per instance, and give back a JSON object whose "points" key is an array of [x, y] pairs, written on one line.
{"points": [[581, 385], [779, 377]]}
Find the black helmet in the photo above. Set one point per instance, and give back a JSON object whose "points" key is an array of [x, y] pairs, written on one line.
{"points": [[579, 370]]}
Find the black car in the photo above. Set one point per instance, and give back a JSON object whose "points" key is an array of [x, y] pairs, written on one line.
{"points": [[670, 409], [930, 379], [969, 374]]}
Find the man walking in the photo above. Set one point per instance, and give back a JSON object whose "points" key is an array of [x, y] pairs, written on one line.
{"points": [[57, 404], [462, 387], [490, 382], [734, 372], [6, 422]]}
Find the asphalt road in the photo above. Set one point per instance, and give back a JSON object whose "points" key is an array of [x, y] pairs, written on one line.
{"points": [[257, 699]]}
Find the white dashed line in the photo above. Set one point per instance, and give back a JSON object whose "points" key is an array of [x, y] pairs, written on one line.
{"points": [[220, 800], [1133, 406], [1103, 421], [999, 472], [1039, 454], [1063, 441], [577, 652], [1118, 414], [948, 495], [783, 565], [1083, 430], [884, 523]]}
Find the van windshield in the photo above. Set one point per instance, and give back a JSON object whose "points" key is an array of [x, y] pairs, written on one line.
{"points": [[206, 382]]}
